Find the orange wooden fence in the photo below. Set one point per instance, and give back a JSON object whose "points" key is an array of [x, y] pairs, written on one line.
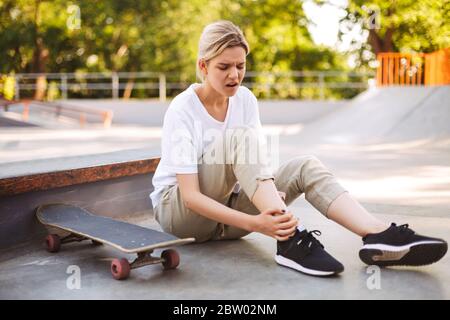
{"points": [[413, 69]]}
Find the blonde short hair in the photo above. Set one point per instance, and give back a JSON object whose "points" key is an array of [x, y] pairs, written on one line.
{"points": [[216, 37]]}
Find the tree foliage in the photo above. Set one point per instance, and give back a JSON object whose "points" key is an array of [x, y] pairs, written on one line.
{"points": [[161, 36], [399, 25]]}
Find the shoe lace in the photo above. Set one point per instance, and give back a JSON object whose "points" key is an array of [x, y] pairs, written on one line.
{"points": [[404, 228], [309, 239]]}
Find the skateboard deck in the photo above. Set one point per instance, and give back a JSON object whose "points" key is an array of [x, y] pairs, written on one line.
{"points": [[129, 238]]}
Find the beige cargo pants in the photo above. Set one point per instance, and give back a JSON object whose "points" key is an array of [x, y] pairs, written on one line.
{"points": [[302, 174]]}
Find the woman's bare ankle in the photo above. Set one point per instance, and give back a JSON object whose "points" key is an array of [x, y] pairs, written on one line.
{"points": [[376, 228]]}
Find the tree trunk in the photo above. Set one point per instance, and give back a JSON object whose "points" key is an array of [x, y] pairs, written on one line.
{"points": [[40, 56], [379, 44]]}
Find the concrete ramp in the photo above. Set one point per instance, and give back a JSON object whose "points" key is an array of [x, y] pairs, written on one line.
{"points": [[387, 115], [428, 120]]}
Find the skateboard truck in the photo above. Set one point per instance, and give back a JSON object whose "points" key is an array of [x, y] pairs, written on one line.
{"points": [[120, 268], [53, 242]]}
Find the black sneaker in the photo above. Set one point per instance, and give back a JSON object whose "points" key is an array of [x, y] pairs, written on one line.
{"points": [[306, 254], [399, 245]]}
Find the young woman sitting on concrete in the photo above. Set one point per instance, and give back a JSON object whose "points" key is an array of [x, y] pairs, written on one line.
{"points": [[210, 132]]}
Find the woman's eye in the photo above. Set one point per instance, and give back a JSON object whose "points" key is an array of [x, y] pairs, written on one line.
{"points": [[225, 68]]}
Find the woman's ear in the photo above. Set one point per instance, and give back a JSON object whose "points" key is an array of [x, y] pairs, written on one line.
{"points": [[203, 67]]}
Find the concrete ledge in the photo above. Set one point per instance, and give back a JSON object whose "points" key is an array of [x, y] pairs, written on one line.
{"points": [[118, 189], [26, 176], [45, 181]]}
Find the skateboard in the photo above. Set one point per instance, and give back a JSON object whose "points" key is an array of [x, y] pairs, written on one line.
{"points": [[128, 238]]}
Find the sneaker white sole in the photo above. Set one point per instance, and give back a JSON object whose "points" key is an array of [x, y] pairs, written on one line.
{"points": [[422, 252], [293, 265], [397, 248]]}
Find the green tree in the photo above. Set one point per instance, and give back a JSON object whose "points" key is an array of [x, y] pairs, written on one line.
{"points": [[161, 36], [400, 26]]}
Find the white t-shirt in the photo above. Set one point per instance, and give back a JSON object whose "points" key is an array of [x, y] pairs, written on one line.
{"points": [[182, 143]]}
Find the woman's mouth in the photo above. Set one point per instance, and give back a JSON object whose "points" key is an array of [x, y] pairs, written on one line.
{"points": [[232, 85]]}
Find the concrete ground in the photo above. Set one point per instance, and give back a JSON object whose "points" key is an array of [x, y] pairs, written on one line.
{"points": [[240, 269], [399, 180]]}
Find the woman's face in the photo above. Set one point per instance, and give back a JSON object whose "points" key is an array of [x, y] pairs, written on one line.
{"points": [[225, 72]]}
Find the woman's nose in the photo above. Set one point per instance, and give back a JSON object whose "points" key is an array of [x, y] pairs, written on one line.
{"points": [[233, 73]]}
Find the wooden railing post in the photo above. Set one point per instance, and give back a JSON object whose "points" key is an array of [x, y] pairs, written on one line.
{"points": [[82, 119], [162, 87], [115, 85], [26, 110], [16, 88], [321, 86], [64, 86], [379, 70], [107, 119]]}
